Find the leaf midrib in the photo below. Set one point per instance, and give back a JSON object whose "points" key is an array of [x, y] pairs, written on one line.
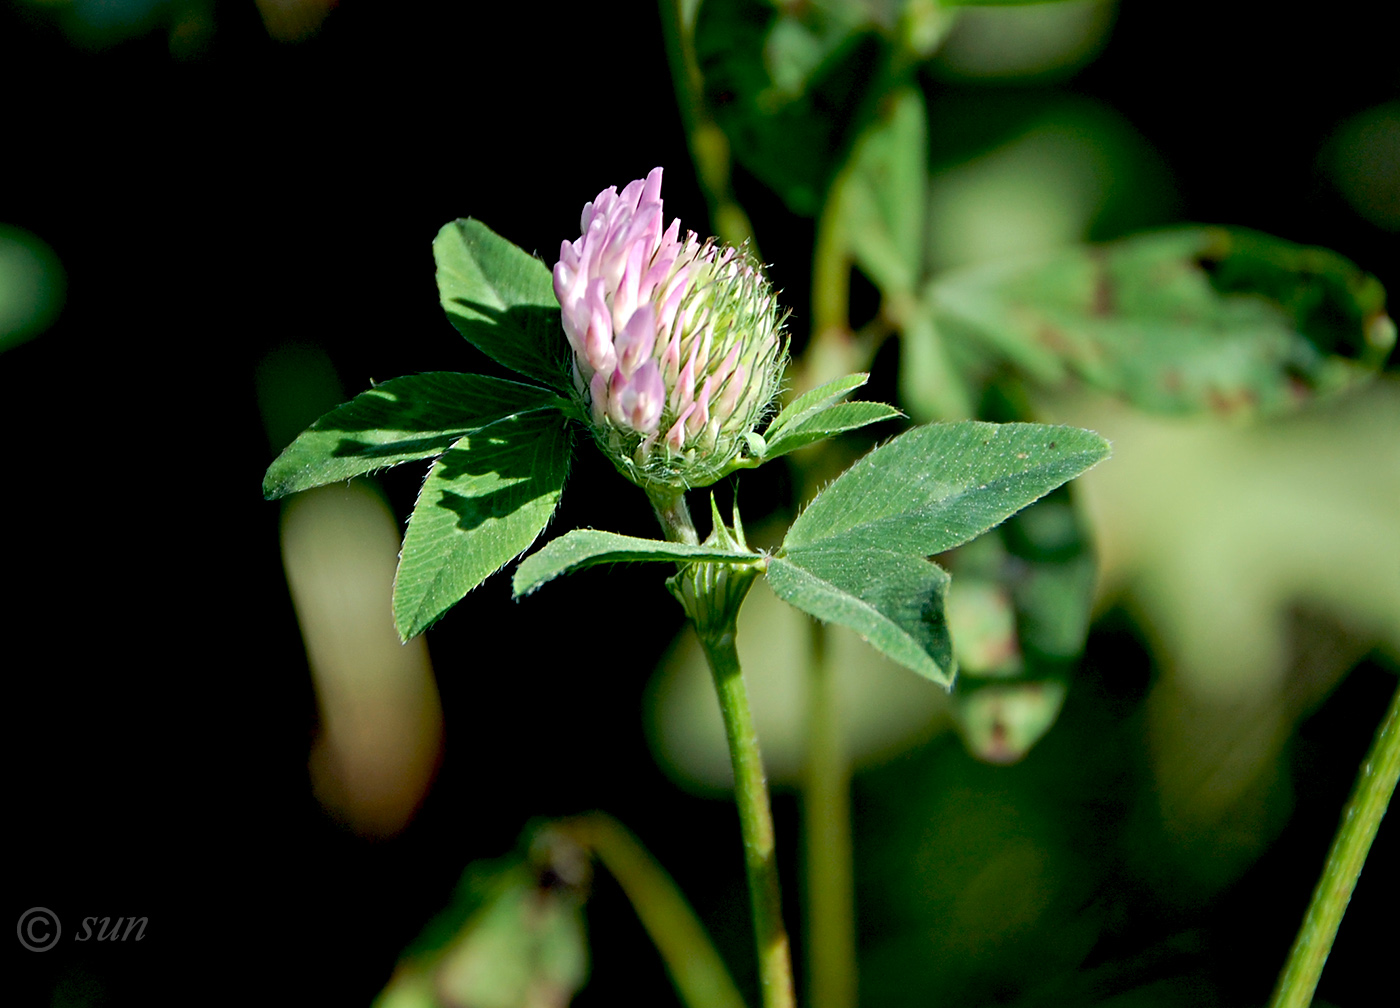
{"points": [[443, 570], [860, 602], [856, 534]]}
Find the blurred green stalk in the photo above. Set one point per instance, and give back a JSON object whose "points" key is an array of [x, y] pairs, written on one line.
{"points": [[695, 966], [826, 813], [828, 874], [709, 147], [1360, 821]]}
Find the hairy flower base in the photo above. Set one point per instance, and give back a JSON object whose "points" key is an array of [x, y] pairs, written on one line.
{"points": [[677, 343]]}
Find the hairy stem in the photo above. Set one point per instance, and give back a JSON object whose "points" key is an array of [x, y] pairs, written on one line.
{"points": [[695, 966], [674, 515], [755, 820], [711, 599], [1360, 820]]}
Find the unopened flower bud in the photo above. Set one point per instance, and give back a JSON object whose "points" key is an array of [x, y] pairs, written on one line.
{"points": [[677, 343]]}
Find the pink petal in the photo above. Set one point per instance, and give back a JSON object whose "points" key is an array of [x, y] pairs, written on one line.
{"points": [[634, 343], [598, 394], [651, 191], [598, 338], [636, 402]]}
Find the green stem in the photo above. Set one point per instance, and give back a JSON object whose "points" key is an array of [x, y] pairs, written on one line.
{"points": [[711, 595], [755, 820], [695, 966], [1360, 820], [826, 809], [674, 515]]}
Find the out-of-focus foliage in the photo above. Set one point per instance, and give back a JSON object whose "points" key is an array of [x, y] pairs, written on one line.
{"points": [[100, 23], [1018, 41], [1012, 177], [1019, 608], [380, 718], [31, 286], [995, 885], [1008, 179], [188, 24], [1364, 161], [1178, 321], [381, 722], [1217, 529], [513, 936], [781, 80], [294, 20], [1262, 561]]}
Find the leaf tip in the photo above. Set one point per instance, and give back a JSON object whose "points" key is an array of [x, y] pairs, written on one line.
{"points": [[521, 586], [275, 486]]}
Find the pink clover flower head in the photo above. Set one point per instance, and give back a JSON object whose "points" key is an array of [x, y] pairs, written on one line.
{"points": [[678, 344]]}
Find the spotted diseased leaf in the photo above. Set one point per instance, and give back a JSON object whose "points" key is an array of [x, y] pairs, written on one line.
{"points": [[1178, 321]]}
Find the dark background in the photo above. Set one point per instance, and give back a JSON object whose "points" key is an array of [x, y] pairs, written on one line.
{"points": [[212, 207]]}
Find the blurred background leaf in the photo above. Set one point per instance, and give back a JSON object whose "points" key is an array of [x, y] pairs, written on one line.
{"points": [[1019, 608], [1362, 160], [1012, 39], [789, 80], [513, 936], [31, 286], [1182, 321], [380, 728], [1263, 563]]}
